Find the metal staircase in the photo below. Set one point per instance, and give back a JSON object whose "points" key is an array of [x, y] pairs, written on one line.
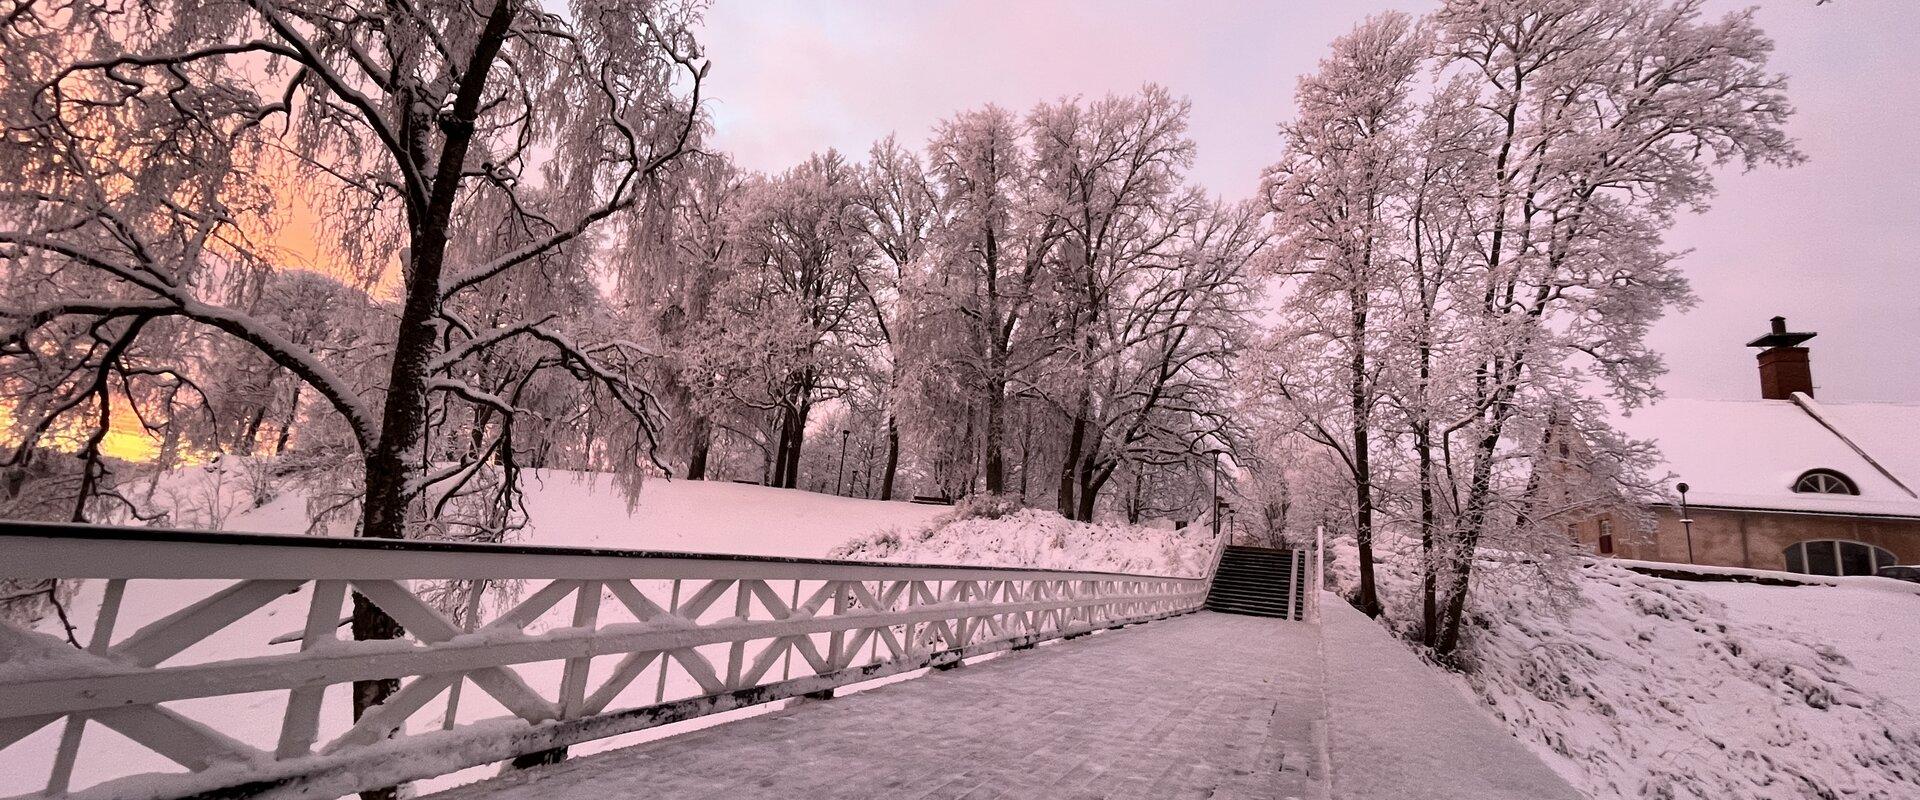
{"points": [[1260, 582]]}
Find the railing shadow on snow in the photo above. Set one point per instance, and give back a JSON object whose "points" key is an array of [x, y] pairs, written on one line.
{"points": [[599, 643]]}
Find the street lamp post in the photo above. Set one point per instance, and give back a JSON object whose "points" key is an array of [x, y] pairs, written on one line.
{"points": [[1686, 520], [1217, 505], [842, 471]]}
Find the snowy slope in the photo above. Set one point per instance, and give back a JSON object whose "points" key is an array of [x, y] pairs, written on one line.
{"points": [[1035, 538], [581, 509], [1647, 687]]}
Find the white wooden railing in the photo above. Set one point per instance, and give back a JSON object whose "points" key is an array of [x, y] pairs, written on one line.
{"points": [[595, 643]]}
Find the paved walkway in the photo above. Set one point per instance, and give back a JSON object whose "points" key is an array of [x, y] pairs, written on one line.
{"points": [[1398, 728], [1209, 705], [1203, 706]]}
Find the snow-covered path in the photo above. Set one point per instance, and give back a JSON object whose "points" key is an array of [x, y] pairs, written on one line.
{"points": [[1202, 706], [1209, 705]]}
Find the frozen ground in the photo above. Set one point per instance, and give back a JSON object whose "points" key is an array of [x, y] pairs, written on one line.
{"points": [[1645, 687]]}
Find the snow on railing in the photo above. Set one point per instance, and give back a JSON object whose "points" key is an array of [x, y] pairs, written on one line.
{"points": [[580, 645]]}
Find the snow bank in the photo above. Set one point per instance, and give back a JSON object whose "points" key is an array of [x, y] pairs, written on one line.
{"points": [[1646, 687], [1043, 539], [1703, 572]]}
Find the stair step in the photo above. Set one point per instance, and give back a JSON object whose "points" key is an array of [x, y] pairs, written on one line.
{"points": [[1251, 576], [1237, 604], [1250, 612], [1254, 580], [1251, 573], [1247, 595], [1258, 589], [1277, 586], [1228, 569]]}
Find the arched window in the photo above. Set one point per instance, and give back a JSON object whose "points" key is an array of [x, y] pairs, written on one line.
{"points": [[1824, 481], [1837, 557]]}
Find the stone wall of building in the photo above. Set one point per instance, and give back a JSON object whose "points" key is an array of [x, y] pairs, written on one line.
{"points": [[1751, 539]]}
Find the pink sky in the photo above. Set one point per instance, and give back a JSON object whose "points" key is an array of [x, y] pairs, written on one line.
{"points": [[1830, 244]]}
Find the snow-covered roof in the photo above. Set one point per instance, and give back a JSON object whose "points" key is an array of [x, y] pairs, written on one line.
{"points": [[1749, 453]]}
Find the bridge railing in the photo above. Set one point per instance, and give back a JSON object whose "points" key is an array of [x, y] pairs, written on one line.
{"points": [[578, 645]]}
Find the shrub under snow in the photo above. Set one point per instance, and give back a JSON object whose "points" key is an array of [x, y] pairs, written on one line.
{"points": [[1646, 687], [1035, 538]]}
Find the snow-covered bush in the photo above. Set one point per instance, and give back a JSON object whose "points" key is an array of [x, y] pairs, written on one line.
{"points": [[987, 505]]}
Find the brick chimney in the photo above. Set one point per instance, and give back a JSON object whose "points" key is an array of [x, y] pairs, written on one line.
{"points": [[1783, 364]]}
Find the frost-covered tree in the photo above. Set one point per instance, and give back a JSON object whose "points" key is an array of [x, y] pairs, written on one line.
{"points": [[153, 149], [786, 320], [1481, 254], [1333, 192], [668, 269], [1607, 119], [985, 277], [902, 211]]}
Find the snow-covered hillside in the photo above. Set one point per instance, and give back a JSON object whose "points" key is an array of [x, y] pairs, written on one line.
{"points": [[578, 509], [1653, 688], [1033, 538]]}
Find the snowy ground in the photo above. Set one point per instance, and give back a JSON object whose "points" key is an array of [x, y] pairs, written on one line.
{"points": [[580, 509], [1655, 688]]}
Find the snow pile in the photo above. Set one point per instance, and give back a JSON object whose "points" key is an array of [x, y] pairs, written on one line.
{"points": [[1646, 687], [1043, 539]]}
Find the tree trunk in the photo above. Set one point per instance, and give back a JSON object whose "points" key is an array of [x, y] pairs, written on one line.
{"points": [[1133, 501], [1423, 453], [995, 461], [1467, 540], [1076, 440], [1092, 478], [286, 428], [396, 453], [793, 436], [776, 468], [1362, 468], [702, 442], [252, 436], [893, 457]]}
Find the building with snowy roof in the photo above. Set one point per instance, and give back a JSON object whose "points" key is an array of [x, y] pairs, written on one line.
{"points": [[1785, 482]]}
